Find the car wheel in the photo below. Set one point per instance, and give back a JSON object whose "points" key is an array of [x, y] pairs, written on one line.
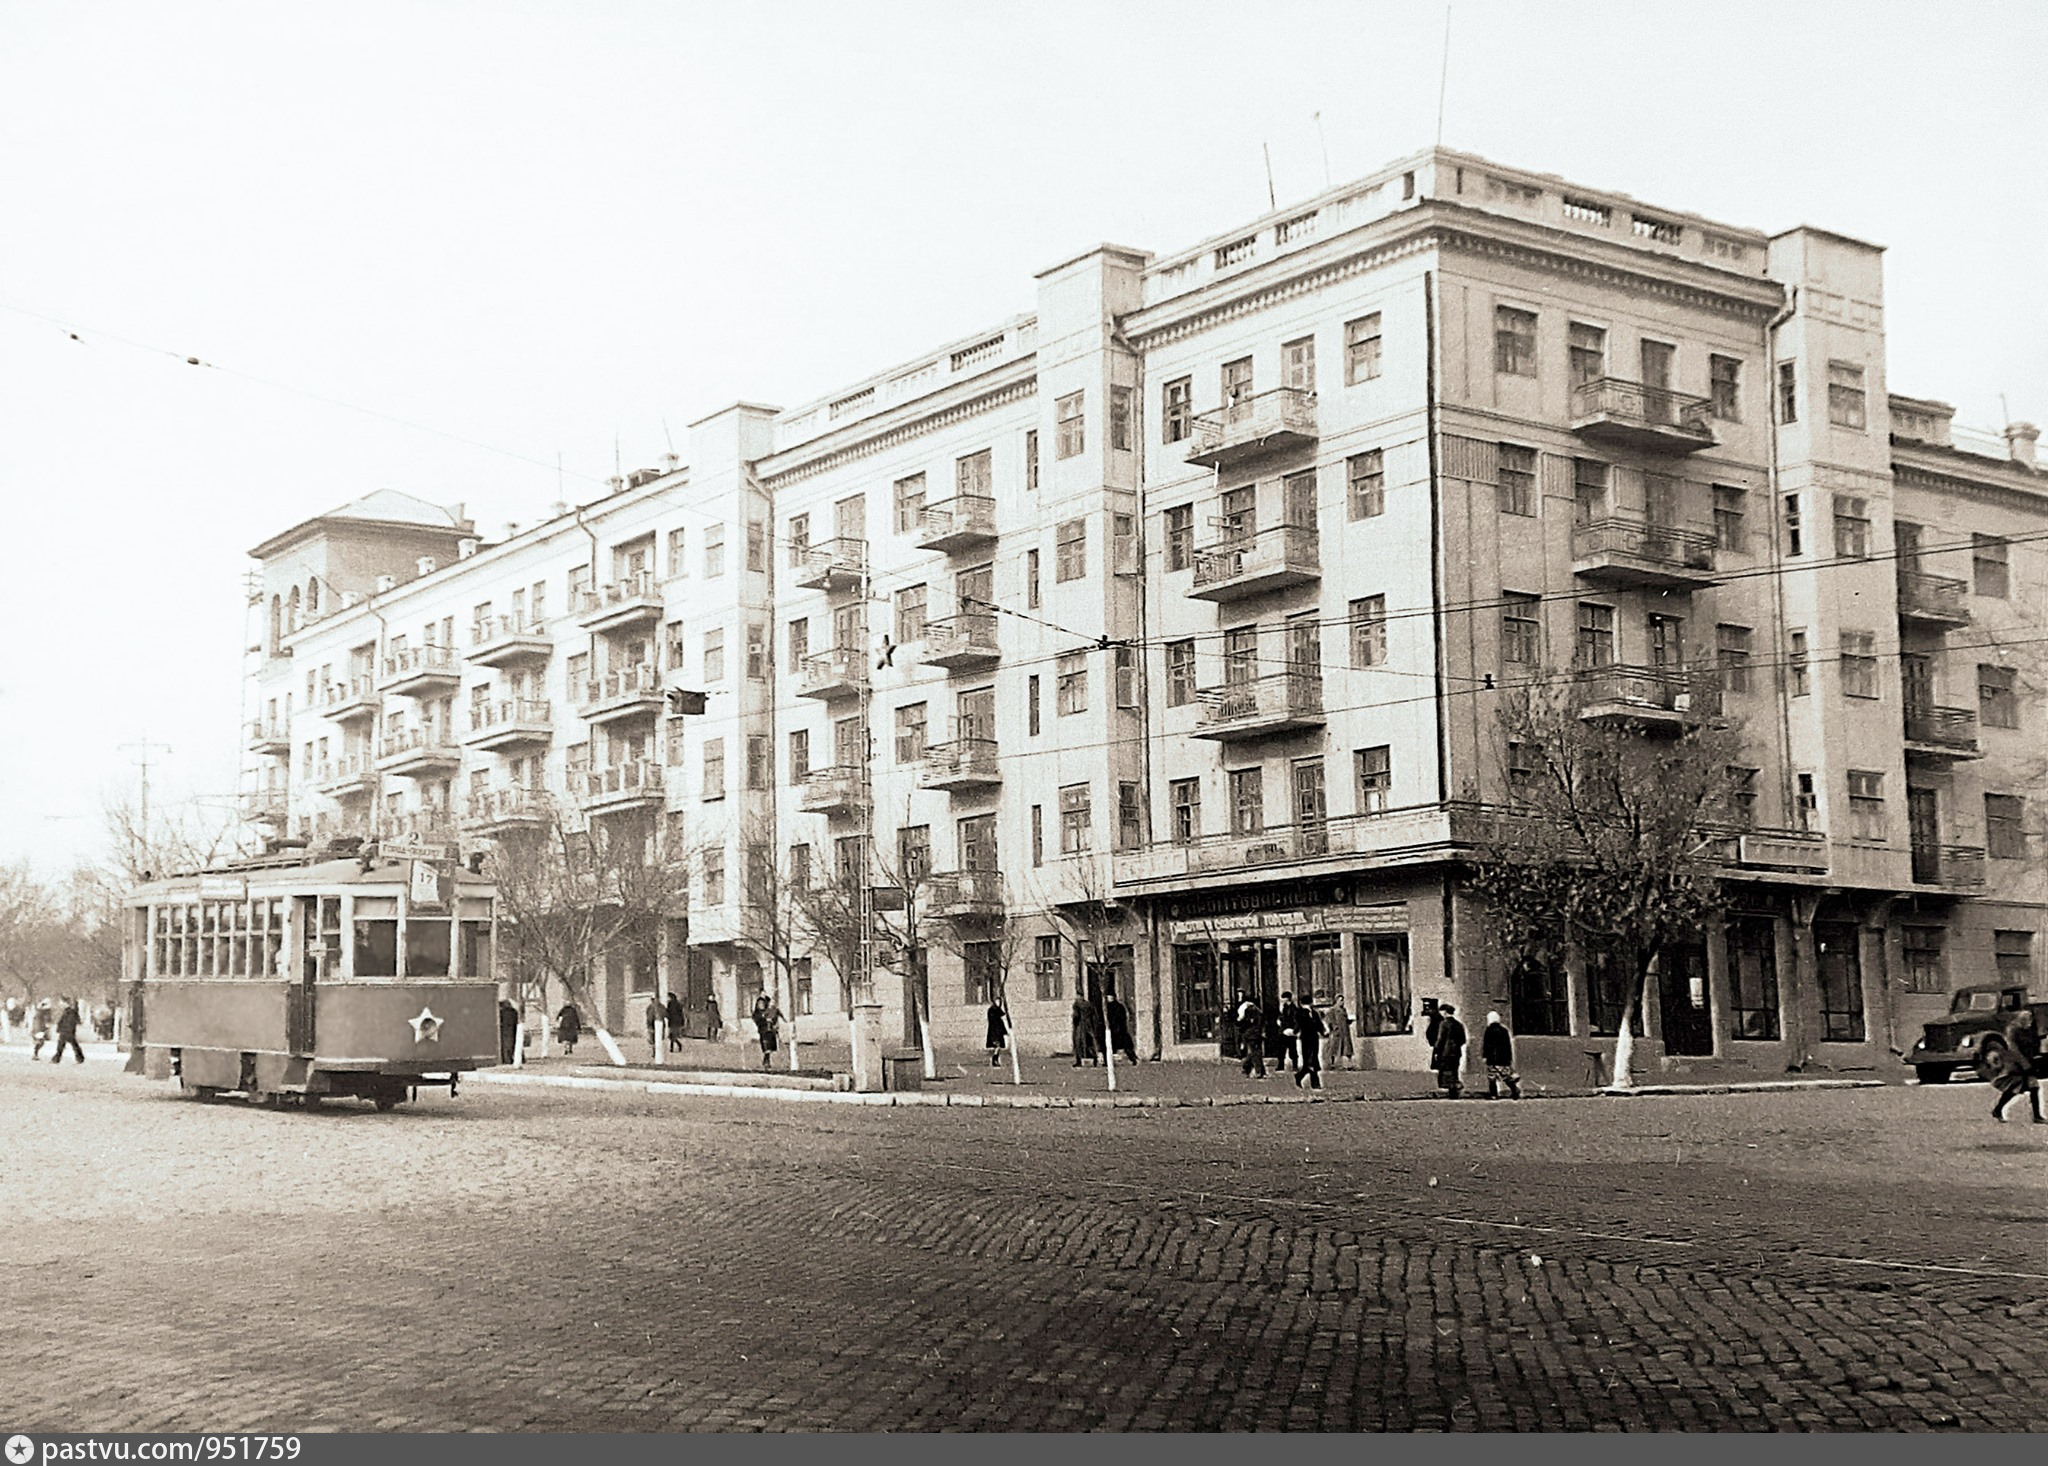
{"points": [[1993, 1059], [1932, 1073]]}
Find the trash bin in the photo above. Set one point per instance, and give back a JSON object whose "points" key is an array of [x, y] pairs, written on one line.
{"points": [[903, 1071]]}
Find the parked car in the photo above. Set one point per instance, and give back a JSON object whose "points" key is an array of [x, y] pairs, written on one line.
{"points": [[1976, 1032]]}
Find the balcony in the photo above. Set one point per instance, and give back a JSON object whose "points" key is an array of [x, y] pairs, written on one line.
{"points": [[1642, 419], [840, 672], [346, 702], [497, 810], [965, 895], [1941, 734], [1280, 702], [269, 738], [835, 790], [963, 641], [965, 763], [959, 523], [420, 671], [1932, 600], [1949, 867], [1387, 837], [1801, 851], [421, 826], [503, 640], [834, 565], [508, 723], [266, 806], [1270, 422], [418, 752], [619, 787], [1255, 564], [1634, 554], [345, 777], [634, 601], [624, 692], [1656, 699]]}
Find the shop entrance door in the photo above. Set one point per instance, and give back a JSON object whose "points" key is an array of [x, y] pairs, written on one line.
{"points": [[1253, 968], [1682, 1000]]}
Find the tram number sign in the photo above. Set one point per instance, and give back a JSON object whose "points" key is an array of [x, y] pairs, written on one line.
{"points": [[430, 885]]}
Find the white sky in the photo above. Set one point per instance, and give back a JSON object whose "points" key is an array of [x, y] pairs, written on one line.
{"points": [[546, 225]]}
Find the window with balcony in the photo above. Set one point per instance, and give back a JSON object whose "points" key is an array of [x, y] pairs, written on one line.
{"points": [[1030, 459], [1070, 426], [1120, 419], [1177, 410], [1845, 395], [1070, 551], [1595, 644], [1998, 703], [1361, 349], [1866, 804], [1859, 664], [1375, 768], [1732, 655], [1514, 478], [1514, 341], [1076, 820], [1991, 572], [1788, 392], [1240, 656], [1305, 643], [1366, 484], [1237, 381], [1521, 628], [913, 853], [1369, 631], [1731, 509], [1180, 537], [799, 539], [911, 721], [1247, 801], [1071, 686], [1724, 387], [799, 642], [1298, 364], [714, 655], [1184, 811], [974, 476], [1589, 491], [909, 500], [1180, 673], [2005, 826], [1046, 984], [910, 608], [1587, 349], [1852, 527], [714, 768]]}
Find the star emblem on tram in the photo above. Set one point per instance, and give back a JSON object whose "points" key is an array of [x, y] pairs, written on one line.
{"points": [[426, 1029]]}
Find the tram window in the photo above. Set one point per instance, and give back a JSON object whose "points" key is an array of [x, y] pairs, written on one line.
{"points": [[330, 936], [273, 940], [188, 923], [476, 949], [426, 946], [376, 943]]}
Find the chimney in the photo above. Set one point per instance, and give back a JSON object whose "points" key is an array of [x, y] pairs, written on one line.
{"points": [[511, 529], [465, 548], [426, 565], [2020, 438], [385, 582]]}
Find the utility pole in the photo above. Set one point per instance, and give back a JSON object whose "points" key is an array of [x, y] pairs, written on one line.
{"points": [[867, 1011], [138, 838]]}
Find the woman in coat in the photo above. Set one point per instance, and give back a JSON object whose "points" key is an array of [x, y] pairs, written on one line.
{"points": [[569, 1025], [998, 1037], [1497, 1052], [1120, 1029], [1084, 1031], [1447, 1057], [676, 1020]]}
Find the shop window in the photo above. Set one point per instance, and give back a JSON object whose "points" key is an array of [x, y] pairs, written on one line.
{"points": [[1385, 1005], [1839, 945], [1753, 978], [1538, 999], [1197, 993]]}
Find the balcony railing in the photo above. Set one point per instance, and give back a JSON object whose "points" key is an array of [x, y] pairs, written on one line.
{"points": [[833, 564], [840, 672], [1280, 702], [1269, 422], [622, 692], [1253, 564], [417, 750], [429, 826], [965, 763], [268, 804], [497, 809], [1636, 553], [1951, 867], [1384, 837], [635, 599], [512, 720], [502, 639], [271, 738], [352, 773], [964, 640], [833, 790], [355, 698], [618, 785], [1653, 419], [1936, 600], [420, 668], [965, 895], [1656, 697], [958, 523], [1941, 732]]}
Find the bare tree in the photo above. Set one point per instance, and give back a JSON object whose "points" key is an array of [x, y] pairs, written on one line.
{"points": [[1085, 923], [1004, 941], [1611, 841], [772, 914], [181, 837]]}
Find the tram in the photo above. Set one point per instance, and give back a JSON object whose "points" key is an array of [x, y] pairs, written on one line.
{"points": [[304, 978]]}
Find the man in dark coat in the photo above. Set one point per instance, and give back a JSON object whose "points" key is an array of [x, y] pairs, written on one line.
{"points": [[67, 1032], [714, 1025], [2022, 1072], [1084, 1032], [1497, 1052], [1251, 1034], [508, 1031], [653, 1017], [998, 1036], [1119, 1029], [569, 1026], [675, 1023], [1309, 1030], [1448, 1055], [1290, 1034]]}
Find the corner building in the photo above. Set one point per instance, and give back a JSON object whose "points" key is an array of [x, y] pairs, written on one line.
{"points": [[1168, 622]]}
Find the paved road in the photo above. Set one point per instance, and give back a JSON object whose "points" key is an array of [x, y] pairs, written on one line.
{"points": [[549, 1260]]}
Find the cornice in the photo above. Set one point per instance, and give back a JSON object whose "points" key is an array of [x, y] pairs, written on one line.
{"points": [[2010, 495], [913, 427], [1258, 298], [1637, 282]]}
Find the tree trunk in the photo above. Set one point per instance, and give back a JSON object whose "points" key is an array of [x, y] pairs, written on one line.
{"points": [[1625, 1040], [609, 1044], [1010, 1032], [789, 1011], [924, 1027]]}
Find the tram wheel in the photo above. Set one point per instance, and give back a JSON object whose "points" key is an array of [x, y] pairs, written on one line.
{"points": [[311, 1101], [203, 1092], [385, 1103]]}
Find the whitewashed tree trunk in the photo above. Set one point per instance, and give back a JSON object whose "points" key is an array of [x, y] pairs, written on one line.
{"points": [[609, 1044], [924, 1030], [789, 1013], [1625, 1041], [1010, 1032], [519, 1044]]}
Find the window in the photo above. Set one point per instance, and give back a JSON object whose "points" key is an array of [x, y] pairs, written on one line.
{"points": [[1595, 646], [1180, 673], [799, 642], [1731, 654], [981, 965], [1124, 676], [1859, 664], [1031, 458], [757, 546], [1071, 684], [1724, 387], [1240, 656], [1845, 395], [1130, 817], [714, 655], [1839, 949], [1298, 364], [1366, 477], [1120, 419], [910, 504], [714, 551], [1852, 527], [1038, 834], [678, 549], [2005, 829], [757, 652], [1521, 628], [714, 768], [1866, 804], [1184, 811], [1587, 350], [2013, 953], [799, 539], [1988, 562], [714, 878], [1742, 795], [1795, 661], [1514, 341], [1126, 555], [1247, 801], [1070, 426], [800, 976], [1031, 701], [1033, 599], [1805, 804], [1514, 478], [910, 604], [1180, 537], [1538, 998], [1076, 824], [672, 638], [1375, 779], [910, 733], [1177, 410], [849, 859], [913, 853], [759, 775], [1045, 968], [1753, 978], [1369, 631], [1795, 528], [1730, 509], [1384, 1003], [1998, 704], [1589, 490], [1070, 554], [1237, 381], [1361, 349], [1788, 392]]}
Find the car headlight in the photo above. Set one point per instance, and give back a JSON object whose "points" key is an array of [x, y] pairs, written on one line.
{"points": [[1967, 1039]]}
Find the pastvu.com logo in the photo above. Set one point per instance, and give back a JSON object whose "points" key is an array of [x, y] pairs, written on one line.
{"points": [[20, 1450]]}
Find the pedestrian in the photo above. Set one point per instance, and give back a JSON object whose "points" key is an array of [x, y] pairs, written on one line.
{"points": [[508, 1031], [714, 1025], [1448, 1055], [103, 1023], [1342, 1054], [1310, 1030], [67, 1032], [39, 1028], [1084, 1031], [1435, 1015], [1251, 1034], [2023, 1071], [767, 1025], [1119, 1020], [674, 1009], [1290, 1034], [653, 1018], [569, 1025], [998, 1036], [1497, 1052]]}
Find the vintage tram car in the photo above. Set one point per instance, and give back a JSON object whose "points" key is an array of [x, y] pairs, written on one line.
{"points": [[308, 978]]}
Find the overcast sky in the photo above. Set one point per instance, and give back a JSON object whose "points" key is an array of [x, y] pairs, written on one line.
{"points": [[548, 227]]}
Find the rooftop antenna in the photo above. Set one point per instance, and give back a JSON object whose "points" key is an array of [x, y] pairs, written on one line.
{"points": [[1444, 78], [1326, 148], [669, 439], [2004, 411], [1272, 199]]}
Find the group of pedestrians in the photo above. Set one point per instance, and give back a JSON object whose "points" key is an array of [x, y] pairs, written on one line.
{"points": [[1296, 1030], [47, 1020], [1445, 1034], [1096, 1031], [670, 1012]]}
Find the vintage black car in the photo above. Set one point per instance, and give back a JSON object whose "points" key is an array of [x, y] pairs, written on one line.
{"points": [[1976, 1032]]}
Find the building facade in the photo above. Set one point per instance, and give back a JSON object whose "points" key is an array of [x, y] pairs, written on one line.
{"points": [[1154, 641]]}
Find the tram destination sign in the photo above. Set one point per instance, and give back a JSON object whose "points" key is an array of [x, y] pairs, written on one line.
{"points": [[418, 850]]}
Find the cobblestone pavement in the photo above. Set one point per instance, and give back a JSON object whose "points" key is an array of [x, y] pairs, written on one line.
{"points": [[544, 1259]]}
